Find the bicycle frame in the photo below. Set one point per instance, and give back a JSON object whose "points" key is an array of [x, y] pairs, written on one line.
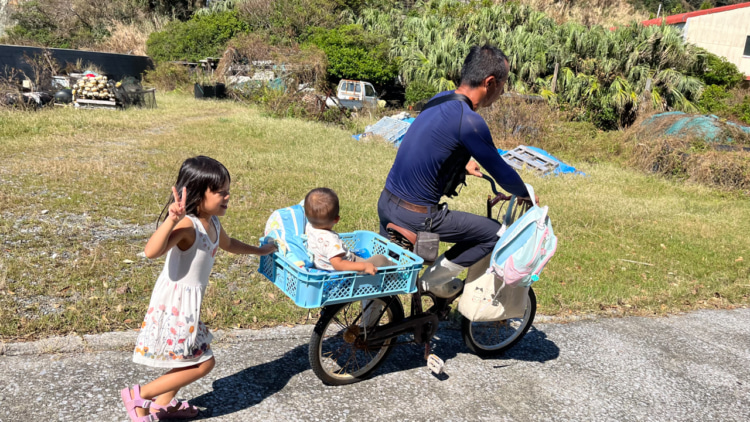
{"points": [[424, 324]]}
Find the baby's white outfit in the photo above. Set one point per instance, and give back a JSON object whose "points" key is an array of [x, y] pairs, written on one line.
{"points": [[172, 335], [324, 245]]}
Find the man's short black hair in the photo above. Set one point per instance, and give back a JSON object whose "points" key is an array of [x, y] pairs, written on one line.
{"points": [[482, 62]]}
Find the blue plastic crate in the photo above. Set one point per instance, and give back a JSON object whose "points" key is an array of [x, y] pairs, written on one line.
{"points": [[310, 288]]}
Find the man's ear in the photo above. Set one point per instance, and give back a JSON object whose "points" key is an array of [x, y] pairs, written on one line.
{"points": [[489, 80]]}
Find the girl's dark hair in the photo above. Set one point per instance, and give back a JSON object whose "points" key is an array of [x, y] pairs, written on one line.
{"points": [[482, 62], [197, 174]]}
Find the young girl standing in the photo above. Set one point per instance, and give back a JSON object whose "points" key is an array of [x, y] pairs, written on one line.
{"points": [[172, 334]]}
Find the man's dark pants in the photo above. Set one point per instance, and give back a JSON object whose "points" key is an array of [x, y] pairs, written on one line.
{"points": [[474, 236]]}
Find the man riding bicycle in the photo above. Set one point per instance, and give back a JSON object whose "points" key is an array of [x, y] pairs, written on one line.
{"points": [[433, 159]]}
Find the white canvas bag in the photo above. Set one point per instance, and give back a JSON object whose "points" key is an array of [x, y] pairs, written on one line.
{"points": [[487, 298]]}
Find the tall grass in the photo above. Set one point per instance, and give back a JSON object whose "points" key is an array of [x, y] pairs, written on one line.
{"points": [[130, 37], [82, 189], [607, 13]]}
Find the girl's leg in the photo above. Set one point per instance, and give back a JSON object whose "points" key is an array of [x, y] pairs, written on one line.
{"points": [[167, 385]]}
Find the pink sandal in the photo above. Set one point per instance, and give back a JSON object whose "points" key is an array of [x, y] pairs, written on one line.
{"points": [[175, 409], [136, 401]]}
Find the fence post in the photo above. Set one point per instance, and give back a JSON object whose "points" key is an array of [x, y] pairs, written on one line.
{"points": [[554, 77]]}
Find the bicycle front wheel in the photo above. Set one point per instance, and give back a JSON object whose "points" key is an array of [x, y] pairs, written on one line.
{"points": [[339, 351], [491, 338]]}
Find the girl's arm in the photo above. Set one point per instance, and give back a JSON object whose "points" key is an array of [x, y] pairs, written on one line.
{"points": [[235, 246], [340, 264], [175, 230]]}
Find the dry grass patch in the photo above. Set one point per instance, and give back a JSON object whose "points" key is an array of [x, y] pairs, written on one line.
{"points": [[723, 162], [130, 37]]}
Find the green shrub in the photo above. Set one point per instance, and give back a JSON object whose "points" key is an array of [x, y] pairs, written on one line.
{"points": [[200, 37], [286, 20], [167, 76], [713, 99], [719, 71], [355, 54], [418, 91], [44, 23], [742, 110]]}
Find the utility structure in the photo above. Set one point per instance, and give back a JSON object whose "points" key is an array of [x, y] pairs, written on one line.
{"points": [[724, 31]]}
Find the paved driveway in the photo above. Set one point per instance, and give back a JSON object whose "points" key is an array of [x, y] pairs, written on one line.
{"points": [[692, 367]]}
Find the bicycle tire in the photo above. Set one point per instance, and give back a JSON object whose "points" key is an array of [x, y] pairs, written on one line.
{"points": [[339, 354], [503, 334]]}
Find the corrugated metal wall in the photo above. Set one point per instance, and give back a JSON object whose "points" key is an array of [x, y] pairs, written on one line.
{"points": [[115, 66]]}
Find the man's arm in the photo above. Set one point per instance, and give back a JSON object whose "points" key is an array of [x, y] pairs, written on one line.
{"points": [[477, 139]]}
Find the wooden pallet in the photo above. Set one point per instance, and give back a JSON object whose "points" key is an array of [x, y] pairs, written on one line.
{"points": [[523, 157], [96, 104]]}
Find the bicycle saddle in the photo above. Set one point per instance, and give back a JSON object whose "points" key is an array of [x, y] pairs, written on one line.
{"points": [[395, 232]]}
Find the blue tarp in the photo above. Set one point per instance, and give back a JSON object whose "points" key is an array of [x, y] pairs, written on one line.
{"points": [[561, 169], [393, 130], [708, 127]]}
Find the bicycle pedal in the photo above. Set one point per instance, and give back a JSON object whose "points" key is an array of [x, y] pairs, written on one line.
{"points": [[435, 364]]}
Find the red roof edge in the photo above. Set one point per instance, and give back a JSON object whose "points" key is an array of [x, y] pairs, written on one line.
{"points": [[747, 78], [683, 17]]}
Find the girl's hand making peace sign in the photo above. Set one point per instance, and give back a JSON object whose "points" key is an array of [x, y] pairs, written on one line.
{"points": [[177, 208]]}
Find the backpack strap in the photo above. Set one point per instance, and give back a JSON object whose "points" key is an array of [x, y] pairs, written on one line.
{"points": [[458, 176], [450, 97]]}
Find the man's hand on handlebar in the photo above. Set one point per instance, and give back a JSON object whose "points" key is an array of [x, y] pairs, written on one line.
{"points": [[527, 199], [472, 167]]}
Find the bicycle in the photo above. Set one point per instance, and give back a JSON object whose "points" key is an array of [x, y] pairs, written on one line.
{"points": [[351, 340]]}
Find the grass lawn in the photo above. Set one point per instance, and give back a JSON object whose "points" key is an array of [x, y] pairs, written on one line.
{"points": [[82, 190]]}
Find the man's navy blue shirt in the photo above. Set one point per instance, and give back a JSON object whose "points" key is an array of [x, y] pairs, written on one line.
{"points": [[450, 132]]}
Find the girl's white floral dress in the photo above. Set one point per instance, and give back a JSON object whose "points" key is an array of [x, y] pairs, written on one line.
{"points": [[172, 335]]}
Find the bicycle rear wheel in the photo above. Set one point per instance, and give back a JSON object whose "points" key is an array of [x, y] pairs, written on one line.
{"points": [[491, 338], [339, 351]]}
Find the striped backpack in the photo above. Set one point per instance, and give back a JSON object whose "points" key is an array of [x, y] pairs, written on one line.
{"points": [[525, 247]]}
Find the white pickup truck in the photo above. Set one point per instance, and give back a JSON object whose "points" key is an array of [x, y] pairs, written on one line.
{"points": [[354, 95]]}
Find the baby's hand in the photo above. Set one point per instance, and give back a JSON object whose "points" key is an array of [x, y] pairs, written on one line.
{"points": [[267, 249], [370, 268], [177, 209]]}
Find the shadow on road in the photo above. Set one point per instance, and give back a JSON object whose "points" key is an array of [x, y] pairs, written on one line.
{"points": [[252, 385], [533, 347]]}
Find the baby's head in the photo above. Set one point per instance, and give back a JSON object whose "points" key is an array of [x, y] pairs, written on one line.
{"points": [[322, 208]]}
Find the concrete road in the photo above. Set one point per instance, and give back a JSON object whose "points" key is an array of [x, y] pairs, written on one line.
{"points": [[692, 367]]}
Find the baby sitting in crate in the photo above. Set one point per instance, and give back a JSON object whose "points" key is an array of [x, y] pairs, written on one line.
{"points": [[329, 252]]}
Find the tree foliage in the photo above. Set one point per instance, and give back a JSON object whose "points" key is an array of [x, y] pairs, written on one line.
{"points": [[719, 71], [200, 37], [355, 54], [606, 75], [66, 23]]}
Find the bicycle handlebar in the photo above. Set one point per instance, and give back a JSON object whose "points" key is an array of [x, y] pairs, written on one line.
{"points": [[499, 196], [492, 182]]}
